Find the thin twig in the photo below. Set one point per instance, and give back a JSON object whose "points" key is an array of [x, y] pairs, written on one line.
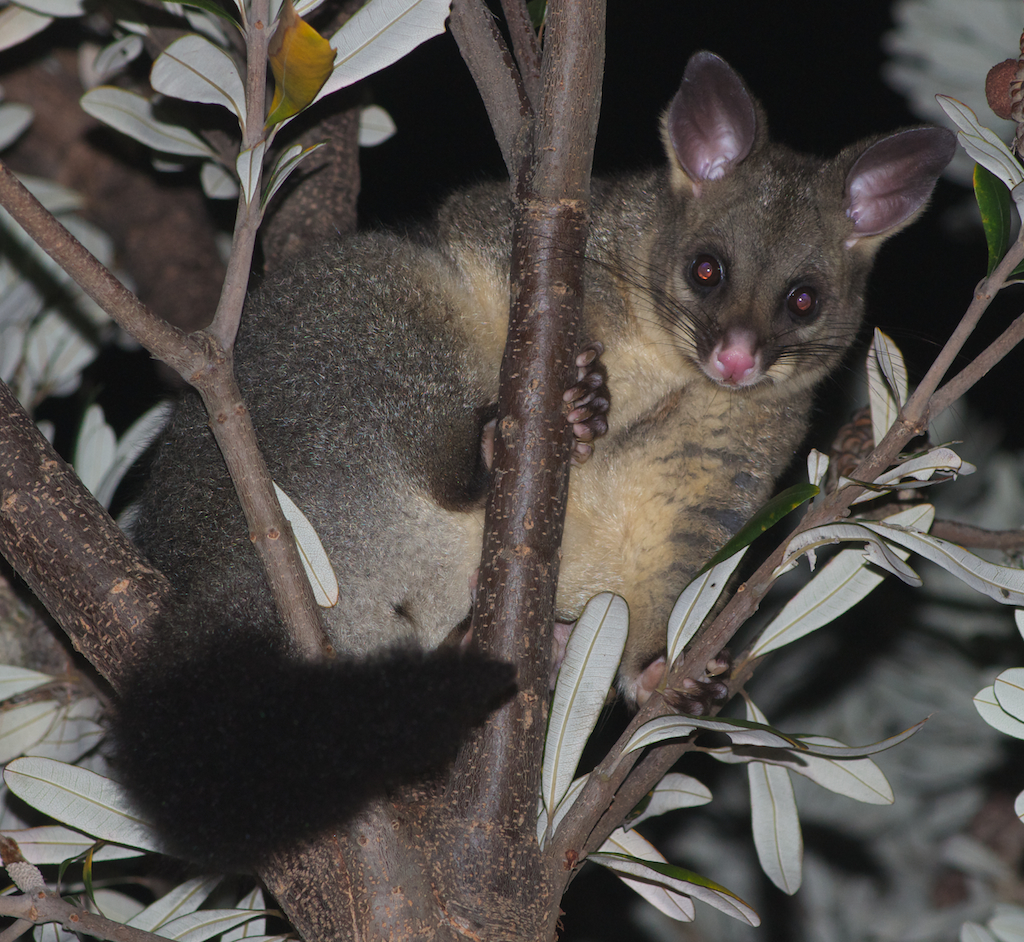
{"points": [[949, 393], [525, 47], [501, 86], [43, 906], [966, 535], [156, 335], [248, 215]]}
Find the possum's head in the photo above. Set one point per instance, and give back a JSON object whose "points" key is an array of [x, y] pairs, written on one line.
{"points": [[762, 253]]}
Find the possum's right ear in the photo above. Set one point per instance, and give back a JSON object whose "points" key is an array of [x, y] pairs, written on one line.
{"points": [[710, 125]]}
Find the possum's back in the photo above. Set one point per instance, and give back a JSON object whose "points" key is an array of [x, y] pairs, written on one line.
{"points": [[350, 367]]}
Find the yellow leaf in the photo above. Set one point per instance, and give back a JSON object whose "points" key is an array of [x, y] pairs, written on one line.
{"points": [[301, 60]]}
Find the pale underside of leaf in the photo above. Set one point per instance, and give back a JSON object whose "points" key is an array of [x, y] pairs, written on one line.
{"points": [[318, 567], [548, 824], [882, 398], [249, 167], [694, 603], [817, 467], [972, 932], [875, 549], [981, 144], [184, 898], [673, 792], [679, 727], [375, 126], [218, 183], [675, 905], [206, 923], [53, 844], [774, 819], [81, 799], [1008, 923], [1003, 583], [592, 657], [14, 119], [1009, 691], [22, 726], [18, 24], [916, 472], [288, 161], [840, 584], [379, 34], [15, 680], [816, 745], [194, 69], [991, 712], [54, 7], [132, 114], [860, 779]]}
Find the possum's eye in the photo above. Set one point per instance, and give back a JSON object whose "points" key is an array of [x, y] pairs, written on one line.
{"points": [[802, 303], [705, 271]]}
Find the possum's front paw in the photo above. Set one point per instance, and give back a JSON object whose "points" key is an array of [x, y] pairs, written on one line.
{"points": [[587, 402]]}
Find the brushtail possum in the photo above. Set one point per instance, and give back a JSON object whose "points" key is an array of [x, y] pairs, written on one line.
{"points": [[723, 287]]}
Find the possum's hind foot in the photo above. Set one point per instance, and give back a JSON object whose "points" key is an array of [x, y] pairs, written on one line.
{"points": [[587, 402]]}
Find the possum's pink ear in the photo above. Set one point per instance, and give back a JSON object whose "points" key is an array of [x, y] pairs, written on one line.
{"points": [[710, 125], [891, 181]]}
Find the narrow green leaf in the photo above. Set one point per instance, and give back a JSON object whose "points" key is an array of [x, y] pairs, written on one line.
{"points": [[646, 863], [996, 213], [765, 518]]}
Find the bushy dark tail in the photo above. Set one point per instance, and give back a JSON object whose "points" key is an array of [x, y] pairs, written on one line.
{"points": [[242, 752]]}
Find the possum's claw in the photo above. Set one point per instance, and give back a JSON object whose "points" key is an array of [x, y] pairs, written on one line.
{"points": [[588, 403]]}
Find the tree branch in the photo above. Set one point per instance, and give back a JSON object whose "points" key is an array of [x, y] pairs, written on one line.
{"points": [[68, 549], [501, 86]]}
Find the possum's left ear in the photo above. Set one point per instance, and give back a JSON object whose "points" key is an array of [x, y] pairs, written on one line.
{"points": [[890, 182], [710, 125]]}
